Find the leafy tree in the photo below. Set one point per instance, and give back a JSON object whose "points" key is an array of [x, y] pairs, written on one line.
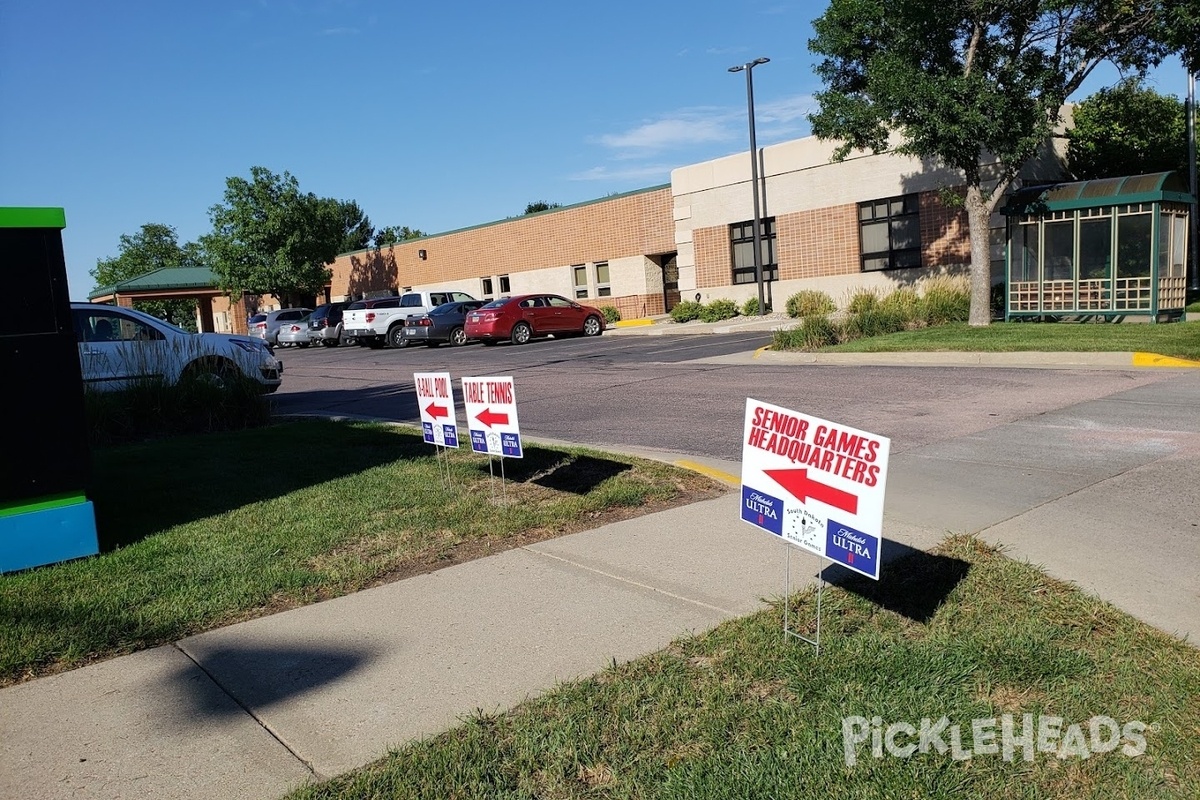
{"points": [[394, 233], [965, 81], [1127, 130], [541, 205], [270, 238], [358, 227], [155, 246]]}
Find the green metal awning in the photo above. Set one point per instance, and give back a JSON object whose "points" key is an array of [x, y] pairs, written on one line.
{"points": [[1155, 187], [166, 279]]}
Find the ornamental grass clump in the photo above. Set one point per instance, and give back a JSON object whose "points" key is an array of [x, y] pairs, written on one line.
{"points": [[946, 299], [810, 302]]}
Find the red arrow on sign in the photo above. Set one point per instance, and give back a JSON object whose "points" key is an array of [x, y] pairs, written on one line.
{"points": [[489, 417], [436, 411], [803, 487]]}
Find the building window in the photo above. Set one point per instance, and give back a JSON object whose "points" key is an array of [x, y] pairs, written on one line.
{"points": [[741, 238], [603, 285], [505, 287], [890, 233], [487, 288], [579, 280]]}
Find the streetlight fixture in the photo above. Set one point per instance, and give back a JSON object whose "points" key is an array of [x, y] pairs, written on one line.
{"points": [[758, 268]]}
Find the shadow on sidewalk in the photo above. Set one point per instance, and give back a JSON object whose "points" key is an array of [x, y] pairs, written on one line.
{"points": [[913, 583], [257, 677]]}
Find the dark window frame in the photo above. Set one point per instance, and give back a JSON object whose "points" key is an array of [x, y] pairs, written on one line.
{"points": [[741, 241], [881, 211]]}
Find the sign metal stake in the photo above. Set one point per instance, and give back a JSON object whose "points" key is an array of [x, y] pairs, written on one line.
{"points": [[787, 600]]}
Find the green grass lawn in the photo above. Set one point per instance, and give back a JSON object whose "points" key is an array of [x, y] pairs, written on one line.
{"points": [[1180, 339], [206, 530], [738, 712]]}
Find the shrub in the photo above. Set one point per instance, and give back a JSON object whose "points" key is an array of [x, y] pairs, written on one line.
{"points": [[906, 303], [997, 299], [611, 314], [152, 409], [750, 307], [872, 322], [862, 300], [686, 311], [819, 331], [946, 299], [810, 302], [718, 310]]}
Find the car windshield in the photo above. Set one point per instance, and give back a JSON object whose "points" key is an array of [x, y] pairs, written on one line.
{"points": [[444, 308], [258, 318], [356, 305], [152, 318], [503, 301]]}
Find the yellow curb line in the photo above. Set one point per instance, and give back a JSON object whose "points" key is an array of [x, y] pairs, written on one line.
{"points": [[761, 350], [712, 472], [632, 323], [1156, 360]]}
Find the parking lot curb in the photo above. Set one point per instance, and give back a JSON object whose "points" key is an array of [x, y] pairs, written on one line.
{"points": [[1157, 360]]}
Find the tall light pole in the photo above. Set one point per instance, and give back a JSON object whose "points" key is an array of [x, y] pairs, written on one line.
{"points": [[758, 267], [1194, 233]]}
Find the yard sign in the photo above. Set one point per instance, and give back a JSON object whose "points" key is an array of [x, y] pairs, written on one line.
{"points": [[491, 408], [815, 484], [435, 398]]}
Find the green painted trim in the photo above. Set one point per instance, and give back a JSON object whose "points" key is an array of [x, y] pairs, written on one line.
{"points": [[14, 217], [41, 504]]}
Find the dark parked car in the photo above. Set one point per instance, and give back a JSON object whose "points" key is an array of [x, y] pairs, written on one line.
{"points": [[325, 324], [520, 318], [445, 324]]}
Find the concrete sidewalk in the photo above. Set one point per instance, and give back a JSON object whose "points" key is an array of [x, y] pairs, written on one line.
{"points": [[255, 709]]}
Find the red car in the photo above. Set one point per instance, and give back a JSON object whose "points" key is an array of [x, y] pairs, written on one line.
{"points": [[518, 319]]}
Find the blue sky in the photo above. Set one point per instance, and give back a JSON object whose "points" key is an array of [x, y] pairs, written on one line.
{"points": [[434, 115]]}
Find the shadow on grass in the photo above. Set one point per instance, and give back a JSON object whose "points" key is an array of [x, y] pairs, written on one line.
{"points": [[141, 489], [257, 677], [563, 472], [913, 583]]}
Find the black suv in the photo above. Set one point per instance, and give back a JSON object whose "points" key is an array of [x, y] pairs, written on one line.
{"points": [[325, 324]]}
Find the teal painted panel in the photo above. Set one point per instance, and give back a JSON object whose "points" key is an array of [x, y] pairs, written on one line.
{"points": [[47, 536]]}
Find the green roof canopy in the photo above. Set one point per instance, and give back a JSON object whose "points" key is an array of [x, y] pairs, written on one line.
{"points": [[1152, 188], [32, 218], [167, 279]]}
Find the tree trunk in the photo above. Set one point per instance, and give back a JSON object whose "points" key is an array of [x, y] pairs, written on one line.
{"points": [[979, 213]]}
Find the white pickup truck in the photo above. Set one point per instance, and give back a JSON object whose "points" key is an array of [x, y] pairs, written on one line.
{"points": [[380, 321]]}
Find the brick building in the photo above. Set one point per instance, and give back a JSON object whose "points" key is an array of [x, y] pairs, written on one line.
{"points": [[870, 220]]}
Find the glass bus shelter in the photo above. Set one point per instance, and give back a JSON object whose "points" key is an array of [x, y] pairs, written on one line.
{"points": [[1111, 247]]}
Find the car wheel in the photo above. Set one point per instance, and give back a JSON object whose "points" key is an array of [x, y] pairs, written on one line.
{"points": [[521, 333], [395, 337], [591, 326], [458, 337], [214, 370]]}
